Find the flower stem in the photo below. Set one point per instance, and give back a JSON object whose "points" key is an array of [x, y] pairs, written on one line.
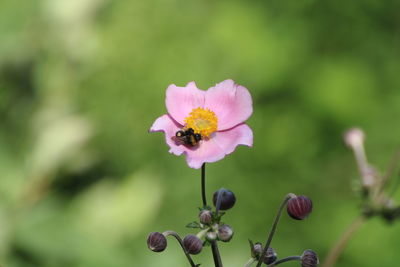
{"points": [[174, 234], [273, 229], [342, 242], [367, 173], [214, 245], [215, 252], [390, 169], [250, 262], [291, 258], [203, 184]]}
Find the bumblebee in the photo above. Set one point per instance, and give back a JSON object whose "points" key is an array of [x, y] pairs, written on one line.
{"points": [[186, 136]]}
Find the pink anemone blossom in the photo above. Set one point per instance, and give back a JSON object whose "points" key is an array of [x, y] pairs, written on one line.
{"points": [[206, 125]]}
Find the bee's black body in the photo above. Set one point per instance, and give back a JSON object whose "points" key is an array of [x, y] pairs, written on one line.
{"points": [[186, 136]]}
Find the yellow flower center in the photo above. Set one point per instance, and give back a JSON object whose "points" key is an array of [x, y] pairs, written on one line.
{"points": [[202, 121]]}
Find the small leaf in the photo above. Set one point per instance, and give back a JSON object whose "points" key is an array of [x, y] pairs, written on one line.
{"points": [[193, 225], [251, 248]]}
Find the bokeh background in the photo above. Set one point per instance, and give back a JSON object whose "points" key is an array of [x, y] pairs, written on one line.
{"points": [[82, 182]]}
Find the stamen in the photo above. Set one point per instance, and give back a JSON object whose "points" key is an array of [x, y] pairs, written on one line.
{"points": [[202, 121]]}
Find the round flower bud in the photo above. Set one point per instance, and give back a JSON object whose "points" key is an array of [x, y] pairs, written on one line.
{"points": [[211, 236], [299, 207], [192, 244], [228, 199], [309, 259], [205, 216], [156, 242], [257, 249], [225, 233], [270, 257]]}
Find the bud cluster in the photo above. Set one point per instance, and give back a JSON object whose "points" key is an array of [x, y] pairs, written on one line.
{"points": [[211, 230], [256, 252], [376, 201], [298, 208], [209, 223]]}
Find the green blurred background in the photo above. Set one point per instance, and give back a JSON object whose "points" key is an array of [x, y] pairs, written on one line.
{"points": [[81, 81]]}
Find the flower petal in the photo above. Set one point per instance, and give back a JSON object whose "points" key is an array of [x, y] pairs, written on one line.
{"points": [[180, 101], [231, 103], [219, 145], [167, 125]]}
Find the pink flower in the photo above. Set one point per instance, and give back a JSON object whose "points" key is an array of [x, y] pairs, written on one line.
{"points": [[206, 125]]}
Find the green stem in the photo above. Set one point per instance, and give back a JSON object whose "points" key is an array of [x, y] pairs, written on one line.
{"points": [[273, 229]]}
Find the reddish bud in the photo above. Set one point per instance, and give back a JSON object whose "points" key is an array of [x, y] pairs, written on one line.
{"points": [[299, 207]]}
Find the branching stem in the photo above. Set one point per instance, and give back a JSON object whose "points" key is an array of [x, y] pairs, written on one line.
{"points": [[340, 245], [273, 229], [290, 258], [174, 234]]}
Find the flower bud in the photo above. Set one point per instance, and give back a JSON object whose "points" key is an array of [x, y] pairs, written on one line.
{"points": [[354, 137], [205, 216], [257, 249], [211, 236], [299, 207], [192, 244], [225, 233], [309, 259], [228, 199], [156, 242], [270, 257]]}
